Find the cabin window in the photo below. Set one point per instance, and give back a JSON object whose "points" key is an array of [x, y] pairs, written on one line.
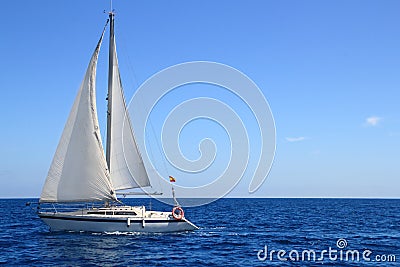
{"points": [[125, 213], [95, 212]]}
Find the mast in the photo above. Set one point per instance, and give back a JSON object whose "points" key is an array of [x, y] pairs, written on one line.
{"points": [[123, 157], [110, 85]]}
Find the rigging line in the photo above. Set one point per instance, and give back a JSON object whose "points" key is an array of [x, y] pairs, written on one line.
{"points": [[134, 81], [152, 158], [126, 55], [160, 151], [104, 29], [103, 136], [158, 146], [133, 77]]}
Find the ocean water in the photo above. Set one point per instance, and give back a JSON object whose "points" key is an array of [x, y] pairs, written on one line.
{"points": [[234, 232]]}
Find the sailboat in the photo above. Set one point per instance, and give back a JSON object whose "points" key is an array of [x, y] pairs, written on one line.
{"points": [[82, 172]]}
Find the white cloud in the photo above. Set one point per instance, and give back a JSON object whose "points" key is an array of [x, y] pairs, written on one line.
{"points": [[373, 121], [295, 139]]}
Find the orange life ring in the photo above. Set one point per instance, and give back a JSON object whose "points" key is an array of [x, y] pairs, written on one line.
{"points": [[178, 216]]}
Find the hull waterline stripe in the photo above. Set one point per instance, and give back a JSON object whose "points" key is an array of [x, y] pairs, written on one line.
{"points": [[122, 220]]}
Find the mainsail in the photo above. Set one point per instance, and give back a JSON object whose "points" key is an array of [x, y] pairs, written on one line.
{"points": [[79, 169], [126, 165]]}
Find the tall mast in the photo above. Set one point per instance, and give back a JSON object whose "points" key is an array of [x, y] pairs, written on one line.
{"points": [[110, 85]]}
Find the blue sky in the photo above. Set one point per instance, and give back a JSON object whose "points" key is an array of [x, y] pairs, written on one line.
{"points": [[329, 70]]}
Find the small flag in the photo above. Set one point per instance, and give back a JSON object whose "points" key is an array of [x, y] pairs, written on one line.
{"points": [[171, 179]]}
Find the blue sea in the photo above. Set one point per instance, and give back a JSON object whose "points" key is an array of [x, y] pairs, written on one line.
{"points": [[234, 232]]}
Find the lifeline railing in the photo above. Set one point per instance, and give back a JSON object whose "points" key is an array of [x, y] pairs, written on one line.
{"points": [[63, 207]]}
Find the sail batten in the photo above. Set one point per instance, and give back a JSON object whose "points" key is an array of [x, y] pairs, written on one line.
{"points": [[79, 170]]}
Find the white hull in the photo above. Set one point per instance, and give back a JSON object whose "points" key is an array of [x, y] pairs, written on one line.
{"points": [[110, 221]]}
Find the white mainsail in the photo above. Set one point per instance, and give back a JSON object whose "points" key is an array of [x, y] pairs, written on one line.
{"points": [[126, 164], [79, 169]]}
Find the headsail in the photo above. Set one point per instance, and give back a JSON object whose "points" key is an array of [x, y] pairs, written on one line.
{"points": [[79, 169], [126, 164]]}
